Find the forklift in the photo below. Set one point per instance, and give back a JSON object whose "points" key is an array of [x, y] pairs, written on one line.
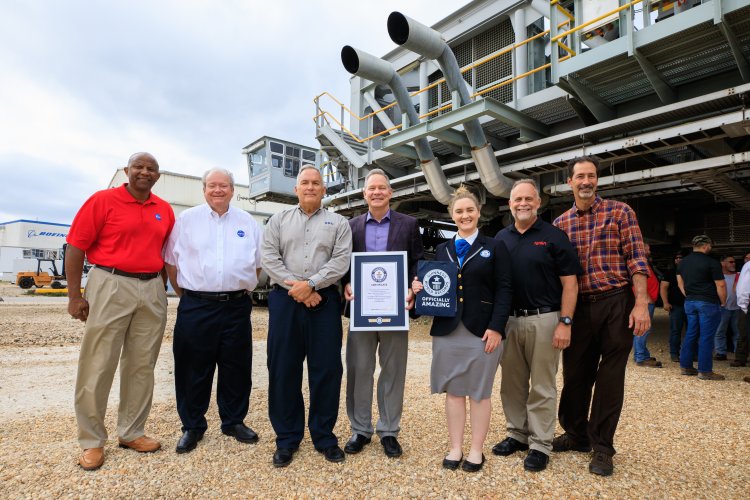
{"points": [[40, 279]]}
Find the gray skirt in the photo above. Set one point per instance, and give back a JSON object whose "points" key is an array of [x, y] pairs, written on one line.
{"points": [[460, 366]]}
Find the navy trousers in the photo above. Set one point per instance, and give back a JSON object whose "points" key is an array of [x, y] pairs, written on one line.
{"points": [[296, 333], [208, 334]]}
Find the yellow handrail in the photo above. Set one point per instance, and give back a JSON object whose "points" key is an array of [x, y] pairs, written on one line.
{"points": [[592, 21]]}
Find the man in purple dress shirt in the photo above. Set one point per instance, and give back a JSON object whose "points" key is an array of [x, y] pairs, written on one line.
{"points": [[379, 230]]}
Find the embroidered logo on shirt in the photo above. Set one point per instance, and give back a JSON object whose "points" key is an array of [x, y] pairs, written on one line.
{"points": [[241, 233], [328, 223], [158, 216], [540, 243], [485, 253]]}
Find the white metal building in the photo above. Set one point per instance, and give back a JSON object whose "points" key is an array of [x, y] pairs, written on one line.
{"points": [[23, 241]]}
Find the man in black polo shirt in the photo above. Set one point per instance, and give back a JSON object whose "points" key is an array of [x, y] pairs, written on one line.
{"points": [[701, 280], [545, 289]]}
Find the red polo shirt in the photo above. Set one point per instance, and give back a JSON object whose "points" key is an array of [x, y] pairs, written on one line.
{"points": [[116, 230]]}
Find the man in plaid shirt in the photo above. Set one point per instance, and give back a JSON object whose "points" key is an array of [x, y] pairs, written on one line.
{"points": [[613, 257]]}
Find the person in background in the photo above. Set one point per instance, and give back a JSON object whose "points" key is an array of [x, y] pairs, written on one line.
{"points": [[742, 289], [641, 354], [466, 348], [702, 282], [674, 304], [730, 313]]}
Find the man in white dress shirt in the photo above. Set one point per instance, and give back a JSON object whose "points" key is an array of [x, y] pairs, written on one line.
{"points": [[213, 261]]}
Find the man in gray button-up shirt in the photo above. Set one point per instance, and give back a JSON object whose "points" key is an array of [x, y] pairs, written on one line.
{"points": [[306, 251]]}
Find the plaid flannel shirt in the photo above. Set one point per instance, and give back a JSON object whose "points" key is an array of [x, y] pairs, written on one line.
{"points": [[609, 244]]}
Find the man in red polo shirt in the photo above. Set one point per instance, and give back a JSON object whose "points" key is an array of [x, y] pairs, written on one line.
{"points": [[122, 232]]}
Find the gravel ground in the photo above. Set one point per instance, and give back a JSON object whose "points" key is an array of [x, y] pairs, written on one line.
{"points": [[678, 436]]}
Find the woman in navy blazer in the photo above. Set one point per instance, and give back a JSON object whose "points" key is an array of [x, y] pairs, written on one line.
{"points": [[466, 348]]}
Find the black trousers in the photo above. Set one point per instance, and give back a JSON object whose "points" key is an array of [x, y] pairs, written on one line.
{"points": [[296, 333], [596, 358], [207, 335]]}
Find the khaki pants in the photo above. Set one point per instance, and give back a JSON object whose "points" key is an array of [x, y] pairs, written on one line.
{"points": [[126, 321], [528, 356]]}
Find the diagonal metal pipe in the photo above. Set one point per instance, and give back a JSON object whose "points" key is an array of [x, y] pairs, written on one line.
{"points": [[367, 66], [427, 42]]}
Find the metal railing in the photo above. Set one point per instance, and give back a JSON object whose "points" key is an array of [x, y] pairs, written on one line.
{"points": [[565, 40]]}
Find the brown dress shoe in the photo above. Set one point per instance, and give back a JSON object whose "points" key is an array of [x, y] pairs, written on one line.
{"points": [[143, 444], [747, 379], [710, 376], [91, 458]]}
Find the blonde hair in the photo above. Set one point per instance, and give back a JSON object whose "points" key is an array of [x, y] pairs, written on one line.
{"points": [[461, 193]]}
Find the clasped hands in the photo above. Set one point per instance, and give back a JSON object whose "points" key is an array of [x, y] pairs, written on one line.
{"points": [[302, 293]]}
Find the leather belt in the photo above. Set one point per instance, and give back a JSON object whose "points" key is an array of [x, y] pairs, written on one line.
{"points": [[595, 297], [533, 312], [217, 296], [140, 276]]}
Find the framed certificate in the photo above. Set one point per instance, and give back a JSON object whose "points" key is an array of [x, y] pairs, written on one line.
{"points": [[379, 285]]}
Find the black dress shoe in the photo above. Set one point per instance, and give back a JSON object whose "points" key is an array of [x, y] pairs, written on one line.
{"points": [[283, 456], [452, 464], [333, 454], [241, 433], [188, 441], [356, 443], [535, 461], [471, 466], [391, 447], [509, 446]]}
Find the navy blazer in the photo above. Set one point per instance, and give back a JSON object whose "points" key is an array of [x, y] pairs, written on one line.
{"points": [[484, 290], [403, 235]]}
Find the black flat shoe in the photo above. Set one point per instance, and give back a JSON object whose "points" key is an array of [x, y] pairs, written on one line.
{"points": [[471, 466], [283, 456], [509, 446], [356, 443], [188, 441], [241, 433], [452, 464], [391, 447], [535, 461], [333, 454]]}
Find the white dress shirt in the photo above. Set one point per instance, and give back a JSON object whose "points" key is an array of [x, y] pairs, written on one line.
{"points": [[214, 253], [743, 287]]}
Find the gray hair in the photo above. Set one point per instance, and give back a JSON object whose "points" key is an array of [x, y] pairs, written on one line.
{"points": [[378, 171], [221, 171], [526, 181], [308, 166]]}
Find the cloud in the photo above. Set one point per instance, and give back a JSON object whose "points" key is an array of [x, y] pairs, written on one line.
{"points": [[86, 84]]}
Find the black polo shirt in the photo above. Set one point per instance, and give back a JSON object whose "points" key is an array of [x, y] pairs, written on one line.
{"points": [[538, 258]]}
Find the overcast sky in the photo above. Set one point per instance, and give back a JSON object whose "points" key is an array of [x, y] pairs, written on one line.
{"points": [[84, 84]]}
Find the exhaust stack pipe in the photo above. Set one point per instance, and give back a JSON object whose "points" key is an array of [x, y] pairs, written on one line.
{"points": [[372, 68], [427, 42]]}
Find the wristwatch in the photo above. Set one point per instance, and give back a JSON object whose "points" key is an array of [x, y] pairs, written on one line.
{"points": [[311, 284], [566, 320]]}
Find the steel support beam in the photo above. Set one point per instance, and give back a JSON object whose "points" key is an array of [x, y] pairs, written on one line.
{"points": [[667, 95], [646, 175], [483, 107], [736, 49], [600, 109]]}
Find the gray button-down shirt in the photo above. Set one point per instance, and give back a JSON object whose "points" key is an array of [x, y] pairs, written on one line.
{"points": [[298, 247]]}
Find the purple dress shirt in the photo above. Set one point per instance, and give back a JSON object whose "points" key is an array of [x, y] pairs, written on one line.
{"points": [[376, 233]]}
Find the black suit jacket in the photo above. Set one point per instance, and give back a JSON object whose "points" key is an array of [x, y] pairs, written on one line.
{"points": [[485, 291], [403, 235]]}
